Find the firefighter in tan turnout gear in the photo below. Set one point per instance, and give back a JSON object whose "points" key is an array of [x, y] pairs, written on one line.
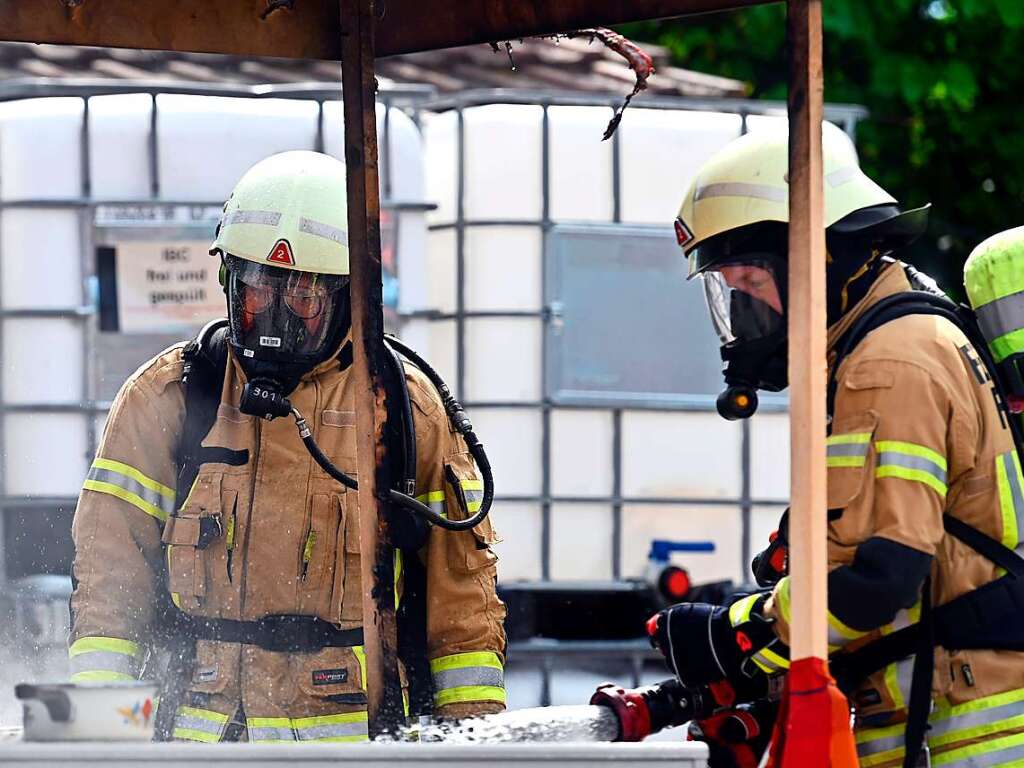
{"points": [[260, 553], [925, 493]]}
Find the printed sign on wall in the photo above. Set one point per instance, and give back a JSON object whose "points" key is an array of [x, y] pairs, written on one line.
{"points": [[166, 287]]}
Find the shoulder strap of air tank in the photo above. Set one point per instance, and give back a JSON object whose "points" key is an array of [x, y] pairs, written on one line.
{"points": [[888, 309], [205, 358]]}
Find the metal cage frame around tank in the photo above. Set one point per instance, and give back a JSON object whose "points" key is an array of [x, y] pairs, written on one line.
{"points": [[86, 314], [846, 116], [545, 653]]}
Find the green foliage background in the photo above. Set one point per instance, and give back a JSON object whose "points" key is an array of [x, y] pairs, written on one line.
{"points": [[943, 79]]}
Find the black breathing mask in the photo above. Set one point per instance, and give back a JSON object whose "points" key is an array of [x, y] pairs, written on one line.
{"points": [[746, 300], [283, 323]]}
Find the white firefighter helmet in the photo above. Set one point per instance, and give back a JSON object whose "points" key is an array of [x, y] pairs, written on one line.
{"points": [[289, 210], [283, 242], [747, 183]]}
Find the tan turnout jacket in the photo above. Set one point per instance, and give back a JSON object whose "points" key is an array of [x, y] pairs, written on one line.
{"points": [[916, 433], [289, 545]]}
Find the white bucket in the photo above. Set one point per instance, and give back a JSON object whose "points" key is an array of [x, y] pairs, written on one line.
{"points": [[88, 711]]}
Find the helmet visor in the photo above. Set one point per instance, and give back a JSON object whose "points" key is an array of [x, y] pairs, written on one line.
{"points": [[284, 314], [744, 300]]}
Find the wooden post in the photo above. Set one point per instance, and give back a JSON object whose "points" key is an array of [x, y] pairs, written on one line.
{"points": [[383, 690], [807, 334]]}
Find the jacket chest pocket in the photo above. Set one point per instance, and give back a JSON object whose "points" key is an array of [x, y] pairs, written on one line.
{"points": [[321, 556], [335, 435], [199, 541], [850, 461]]}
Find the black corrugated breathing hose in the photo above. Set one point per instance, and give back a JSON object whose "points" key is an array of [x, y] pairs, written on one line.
{"points": [[462, 424]]}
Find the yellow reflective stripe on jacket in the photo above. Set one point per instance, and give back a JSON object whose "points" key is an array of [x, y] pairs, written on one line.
{"points": [[473, 492], [204, 725], [739, 612], [839, 634], [468, 677], [1011, 497], [849, 449], [877, 746], [434, 500], [104, 658], [129, 484], [344, 727], [768, 661], [347, 727], [101, 676], [269, 730], [782, 598], [1005, 751], [909, 461], [360, 653]]}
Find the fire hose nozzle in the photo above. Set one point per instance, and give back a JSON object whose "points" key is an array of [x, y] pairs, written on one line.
{"points": [[629, 707]]}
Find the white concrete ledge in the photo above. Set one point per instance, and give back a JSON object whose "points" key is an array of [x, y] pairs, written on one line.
{"points": [[685, 755]]}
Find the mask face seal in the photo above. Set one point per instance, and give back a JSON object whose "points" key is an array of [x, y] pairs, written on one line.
{"points": [[283, 322]]}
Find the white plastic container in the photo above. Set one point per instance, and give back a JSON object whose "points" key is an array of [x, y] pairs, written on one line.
{"points": [[88, 711]]}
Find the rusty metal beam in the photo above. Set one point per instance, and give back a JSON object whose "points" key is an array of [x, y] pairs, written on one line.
{"points": [[311, 29], [807, 333], [444, 24], [383, 689]]}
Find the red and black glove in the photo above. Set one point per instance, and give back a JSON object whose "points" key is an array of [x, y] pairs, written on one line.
{"points": [[702, 644], [772, 563], [736, 738]]}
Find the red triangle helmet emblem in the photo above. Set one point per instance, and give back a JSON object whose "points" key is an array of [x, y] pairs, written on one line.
{"points": [[281, 253]]}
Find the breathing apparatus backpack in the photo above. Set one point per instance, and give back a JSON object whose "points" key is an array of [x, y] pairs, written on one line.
{"points": [[990, 617]]}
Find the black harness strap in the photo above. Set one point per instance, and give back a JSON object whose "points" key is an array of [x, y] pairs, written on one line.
{"points": [[206, 359]]}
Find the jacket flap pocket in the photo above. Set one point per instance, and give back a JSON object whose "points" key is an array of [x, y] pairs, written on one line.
{"points": [[215, 666], [334, 673], [203, 498], [338, 418], [181, 531]]}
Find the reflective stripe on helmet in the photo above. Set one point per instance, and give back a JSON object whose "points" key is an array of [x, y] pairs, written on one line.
{"points": [[745, 183]]}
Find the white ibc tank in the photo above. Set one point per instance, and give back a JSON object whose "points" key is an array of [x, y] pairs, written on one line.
{"points": [[203, 145], [665, 454]]}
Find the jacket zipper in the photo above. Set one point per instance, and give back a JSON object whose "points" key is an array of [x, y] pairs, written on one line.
{"points": [[230, 535]]}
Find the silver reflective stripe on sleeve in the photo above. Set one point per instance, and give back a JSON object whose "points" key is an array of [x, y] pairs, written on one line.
{"points": [[106, 661], [883, 744], [920, 463], [459, 678], [1002, 316], [123, 481], [434, 500]]}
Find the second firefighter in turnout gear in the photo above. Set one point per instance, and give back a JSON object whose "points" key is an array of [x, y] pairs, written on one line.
{"points": [[920, 462], [260, 552]]}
